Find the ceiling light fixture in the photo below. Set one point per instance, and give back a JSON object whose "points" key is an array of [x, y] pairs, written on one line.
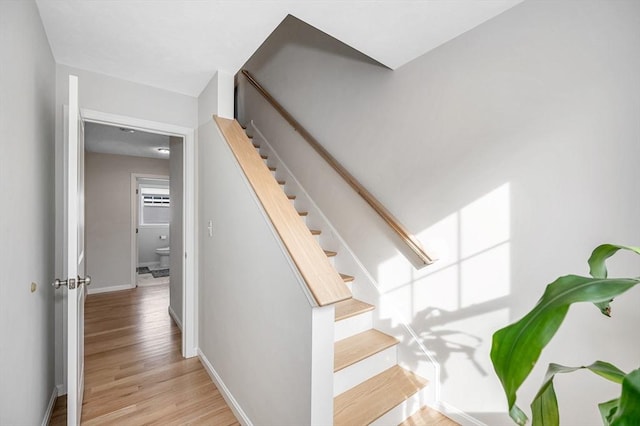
{"points": [[163, 150], [126, 130]]}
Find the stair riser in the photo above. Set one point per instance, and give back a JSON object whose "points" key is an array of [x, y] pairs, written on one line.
{"points": [[354, 325], [357, 373], [403, 411]]}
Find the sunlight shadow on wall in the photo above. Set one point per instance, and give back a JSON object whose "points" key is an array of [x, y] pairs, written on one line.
{"points": [[455, 305]]}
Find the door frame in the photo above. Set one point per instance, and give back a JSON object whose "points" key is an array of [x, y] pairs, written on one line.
{"points": [[189, 262], [135, 214]]}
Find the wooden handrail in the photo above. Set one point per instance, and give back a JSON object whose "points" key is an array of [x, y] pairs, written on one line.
{"points": [[322, 280], [394, 223]]}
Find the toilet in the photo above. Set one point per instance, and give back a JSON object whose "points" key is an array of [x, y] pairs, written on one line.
{"points": [[163, 252]]}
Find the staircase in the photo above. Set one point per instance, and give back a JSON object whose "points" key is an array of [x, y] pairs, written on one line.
{"points": [[369, 385]]}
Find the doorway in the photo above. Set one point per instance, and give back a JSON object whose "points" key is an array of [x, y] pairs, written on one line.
{"points": [[182, 146], [152, 205]]}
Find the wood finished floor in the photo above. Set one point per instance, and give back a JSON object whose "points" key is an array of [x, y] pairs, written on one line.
{"points": [[134, 371]]}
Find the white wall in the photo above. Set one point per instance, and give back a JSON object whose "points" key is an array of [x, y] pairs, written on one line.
{"points": [[177, 246], [103, 93], [108, 213], [27, 96], [216, 98], [510, 149], [149, 240], [255, 322]]}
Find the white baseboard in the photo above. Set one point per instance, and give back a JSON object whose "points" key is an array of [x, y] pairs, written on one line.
{"points": [[456, 415], [231, 401], [62, 389], [175, 317], [96, 290], [52, 403]]}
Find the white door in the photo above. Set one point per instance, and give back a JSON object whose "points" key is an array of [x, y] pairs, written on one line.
{"points": [[74, 255]]}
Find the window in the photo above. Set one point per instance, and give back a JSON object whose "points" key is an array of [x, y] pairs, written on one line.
{"points": [[154, 206]]}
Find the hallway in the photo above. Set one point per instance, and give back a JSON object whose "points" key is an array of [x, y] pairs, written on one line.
{"points": [[134, 371]]}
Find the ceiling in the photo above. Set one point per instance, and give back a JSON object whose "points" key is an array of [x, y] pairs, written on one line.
{"points": [[111, 140], [178, 45]]}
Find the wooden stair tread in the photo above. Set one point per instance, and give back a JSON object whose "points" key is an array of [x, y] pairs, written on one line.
{"points": [[351, 307], [291, 197], [281, 182], [373, 398], [256, 145], [330, 253], [273, 169], [428, 417], [347, 278], [303, 213], [263, 156], [360, 346], [315, 231]]}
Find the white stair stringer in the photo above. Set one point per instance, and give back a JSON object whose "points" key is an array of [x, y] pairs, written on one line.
{"points": [[367, 290]]}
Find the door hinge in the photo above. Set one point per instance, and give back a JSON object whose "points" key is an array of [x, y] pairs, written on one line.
{"points": [[136, 191], [136, 230]]}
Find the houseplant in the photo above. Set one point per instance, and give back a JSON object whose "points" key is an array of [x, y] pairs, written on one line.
{"points": [[517, 347]]}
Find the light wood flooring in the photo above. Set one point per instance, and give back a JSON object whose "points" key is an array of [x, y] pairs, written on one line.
{"points": [[428, 417], [134, 371]]}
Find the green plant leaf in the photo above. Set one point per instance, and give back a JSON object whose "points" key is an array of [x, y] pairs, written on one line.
{"points": [[628, 412], [598, 268], [517, 347], [608, 409], [599, 256], [544, 407]]}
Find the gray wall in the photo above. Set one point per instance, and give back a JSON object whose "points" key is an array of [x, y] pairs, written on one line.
{"points": [[177, 248], [149, 240], [27, 96], [512, 150], [108, 215]]}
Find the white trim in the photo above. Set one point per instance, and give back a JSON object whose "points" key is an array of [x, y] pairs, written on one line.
{"points": [[189, 307], [175, 317], [322, 375], [98, 290], [241, 416], [52, 402], [456, 414], [134, 123], [189, 247]]}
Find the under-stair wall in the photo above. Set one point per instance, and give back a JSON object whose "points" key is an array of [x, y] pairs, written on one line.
{"points": [[268, 348]]}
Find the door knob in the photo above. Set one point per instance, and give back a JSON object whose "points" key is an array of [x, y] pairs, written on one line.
{"points": [[57, 283], [70, 283], [86, 280]]}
